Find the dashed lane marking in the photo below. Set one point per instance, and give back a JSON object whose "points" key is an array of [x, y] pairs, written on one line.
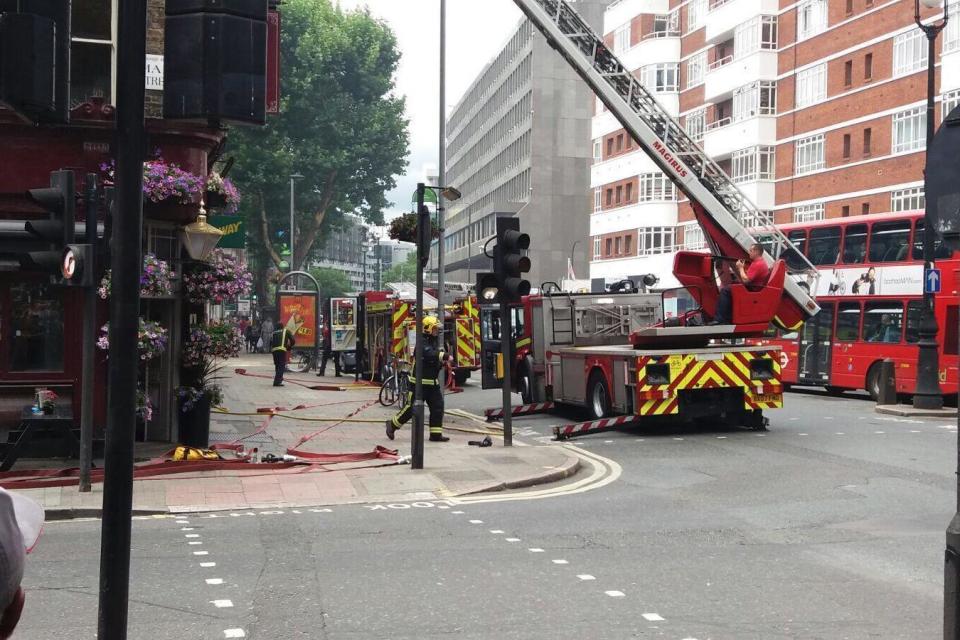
{"points": [[201, 553], [535, 550], [496, 531], [222, 604], [652, 617], [476, 522], [191, 535], [207, 565], [214, 581], [616, 594], [194, 542], [512, 539], [559, 561], [586, 576], [234, 633]]}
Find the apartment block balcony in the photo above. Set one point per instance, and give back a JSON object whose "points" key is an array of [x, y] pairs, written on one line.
{"points": [[643, 214], [724, 16], [762, 193], [620, 12], [621, 167], [728, 73], [723, 137], [659, 46], [950, 69]]}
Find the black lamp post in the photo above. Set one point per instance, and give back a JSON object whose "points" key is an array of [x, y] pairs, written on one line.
{"points": [[928, 394]]}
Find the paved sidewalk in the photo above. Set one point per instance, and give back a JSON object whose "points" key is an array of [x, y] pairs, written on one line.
{"points": [[451, 469], [907, 411]]}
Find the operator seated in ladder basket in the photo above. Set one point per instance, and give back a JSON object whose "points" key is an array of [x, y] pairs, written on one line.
{"points": [[753, 276], [433, 358]]}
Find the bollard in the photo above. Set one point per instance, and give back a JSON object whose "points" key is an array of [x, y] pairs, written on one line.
{"points": [[888, 383]]}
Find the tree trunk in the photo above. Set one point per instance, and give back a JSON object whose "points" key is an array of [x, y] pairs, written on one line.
{"points": [[265, 232]]}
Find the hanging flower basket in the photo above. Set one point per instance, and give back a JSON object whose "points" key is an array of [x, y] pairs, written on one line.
{"points": [[221, 194], [223, 277], [156, 279], [152, 339]]}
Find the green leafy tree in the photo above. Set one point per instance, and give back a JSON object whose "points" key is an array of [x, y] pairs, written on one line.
{"points": [[403, 272], [341, 126], [333, 282]]}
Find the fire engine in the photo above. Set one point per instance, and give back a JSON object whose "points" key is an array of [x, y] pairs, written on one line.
{"points": [[652, 354]]}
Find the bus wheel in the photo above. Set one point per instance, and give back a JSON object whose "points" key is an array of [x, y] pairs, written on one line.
{"points": [[873, 381], [834, 391], [598, 397]]}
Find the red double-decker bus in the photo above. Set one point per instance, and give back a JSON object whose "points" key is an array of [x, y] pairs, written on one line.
{"points": [[870, 296]]}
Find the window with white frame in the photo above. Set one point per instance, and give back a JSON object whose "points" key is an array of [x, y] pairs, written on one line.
{"points": [[909, 52], [655, 187], [808, 213], [696, 10], [653, 240], [909, 130], [693, 237], [666, 25], [908, 199], [621, 38], [755, 34], [92, 50], [810, 154], [811, 85], [596, 246], [755, 99], [597, 150], [951, 33], [696, 69], [811, 18], [696, 123], [754, 163], [661, 77], [597, 205], [950, 101]]}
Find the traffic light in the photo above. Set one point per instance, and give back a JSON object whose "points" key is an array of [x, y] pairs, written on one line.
{"points": [[508, 263], [59, 201]]}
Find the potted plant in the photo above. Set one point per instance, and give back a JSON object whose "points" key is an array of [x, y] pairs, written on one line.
{"points": [[156, 279], [167, 188], [205, 346], [152, 339], [222, 277], [221, 194], [144, 413]]}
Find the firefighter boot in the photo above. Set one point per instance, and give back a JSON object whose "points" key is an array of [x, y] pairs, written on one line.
{"points": [[438, 437], [391, 429]]}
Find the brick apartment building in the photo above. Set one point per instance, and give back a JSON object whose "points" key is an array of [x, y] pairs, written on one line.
{"points": [[816, 109]]}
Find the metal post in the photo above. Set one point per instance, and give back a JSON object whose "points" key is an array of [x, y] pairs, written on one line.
{"points": [[416, 440], [928, 394], [89, 336], [951, 570], [442, 154], [293, 263], [130, 145], [506, 348]]}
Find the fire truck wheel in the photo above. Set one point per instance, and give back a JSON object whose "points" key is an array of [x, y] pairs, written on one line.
{"points": [[461, 376], [526, 385], [598, 397]]}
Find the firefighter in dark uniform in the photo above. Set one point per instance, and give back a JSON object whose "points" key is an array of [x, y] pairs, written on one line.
{"points": [[432, 391], [281, 342]]}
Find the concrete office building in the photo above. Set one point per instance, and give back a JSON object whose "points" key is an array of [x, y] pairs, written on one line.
{"points": [[518, 145], [815, 109]]}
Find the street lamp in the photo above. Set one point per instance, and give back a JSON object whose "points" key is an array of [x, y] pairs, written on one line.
{"points": [[294, 177], [928, 394], [199, 237], [573, 248]]}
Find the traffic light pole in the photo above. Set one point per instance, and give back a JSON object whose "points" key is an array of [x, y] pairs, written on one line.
{"points": [[129, 146], [89, 336], [506, 348], [423, 222]]}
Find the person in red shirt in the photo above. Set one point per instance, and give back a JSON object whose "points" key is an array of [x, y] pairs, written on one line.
{"points": [[753, 275]]}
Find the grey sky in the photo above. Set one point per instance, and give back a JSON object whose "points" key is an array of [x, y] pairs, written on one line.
{"points": [[476, 31]]}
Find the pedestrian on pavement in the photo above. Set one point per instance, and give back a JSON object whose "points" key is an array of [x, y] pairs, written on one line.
{"points": [[266, 331], [21, 520], [281, 342], [328, 354], [433, 357]]}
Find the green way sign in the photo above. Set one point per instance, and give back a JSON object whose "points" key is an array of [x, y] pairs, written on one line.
{"points": [[429, 196], [234, 233]]}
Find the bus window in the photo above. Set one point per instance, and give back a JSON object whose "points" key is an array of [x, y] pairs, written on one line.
{"points": [[824, 245], [793, 257], [882, 321], [914, 310], [855, 244], [889, 241], [940, 252], [517, 328], [950, 344], [848, 321]]}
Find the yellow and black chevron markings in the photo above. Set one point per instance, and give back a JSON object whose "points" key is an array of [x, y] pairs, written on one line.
{"points": [[399, 324], [466, 345], [687, 372]]}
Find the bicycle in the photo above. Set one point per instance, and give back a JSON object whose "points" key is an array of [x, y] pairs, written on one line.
{"points": [[302, 361], [395, 385]]}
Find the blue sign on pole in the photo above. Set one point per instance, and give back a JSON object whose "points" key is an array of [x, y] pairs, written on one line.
{"points": [[931, 281]]}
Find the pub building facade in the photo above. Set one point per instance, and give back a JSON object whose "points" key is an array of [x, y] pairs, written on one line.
{"points": [[41, 323]]}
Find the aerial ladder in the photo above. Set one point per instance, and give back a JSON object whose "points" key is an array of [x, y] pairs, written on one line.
{"points": [[731, 223]]}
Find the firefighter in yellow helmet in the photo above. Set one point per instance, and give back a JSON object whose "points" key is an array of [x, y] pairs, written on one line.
{"points": [[433, 357]]}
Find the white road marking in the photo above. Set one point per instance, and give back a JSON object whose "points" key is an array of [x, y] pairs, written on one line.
{"points": [[234, 633], [496, 531], [207, 565], [828, 417], [222, 604], [802, 434], [760, 435], [535, 550], [183, 522], [792, 419], [456, 513], [841, 433], [214, 581], [678, 439], [512, 539], [605, 441], [718, 437], [441, 506], [191, 535], [652, 617], [615, 594], [201, 553], [586, 576], [911, 430], [560, 561], [476, 522], [879, 432], [194, 542]]}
